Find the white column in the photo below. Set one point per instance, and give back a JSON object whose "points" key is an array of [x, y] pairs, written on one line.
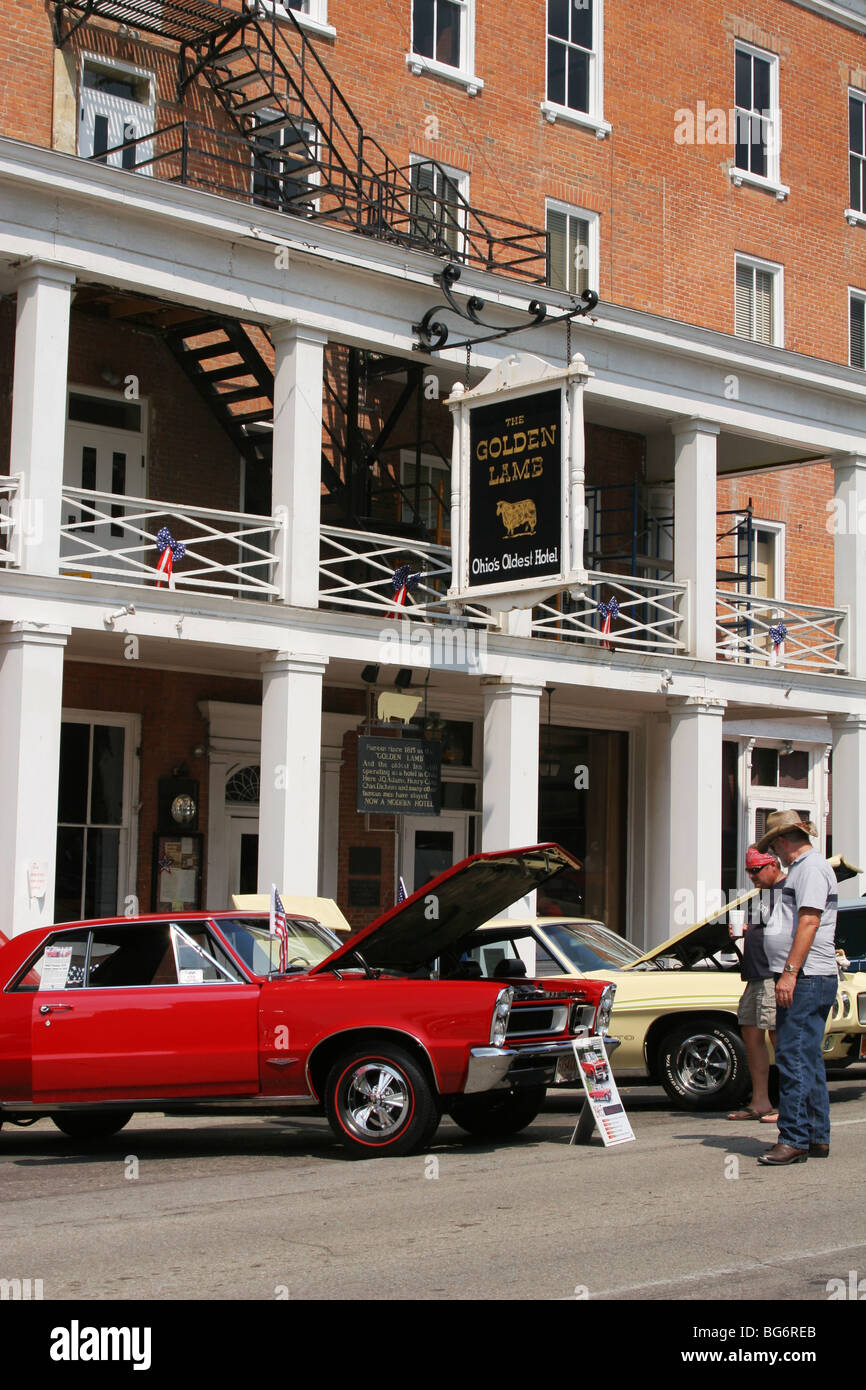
{"points": [[848, 524], [297, 462], [695, 529], [849, 804], [510, 769], [31, 698], [291, 754], [695, 863]]}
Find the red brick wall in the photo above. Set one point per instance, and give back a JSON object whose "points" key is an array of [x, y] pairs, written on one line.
{"points": [[670, 219], [798, 497]]}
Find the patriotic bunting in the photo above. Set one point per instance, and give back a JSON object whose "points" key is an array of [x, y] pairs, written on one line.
{"points": [[607, 612], [777, 637], [169, 551], [403, 583]]}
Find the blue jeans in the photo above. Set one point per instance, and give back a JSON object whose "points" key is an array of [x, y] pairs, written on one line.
{"points": [[804, 1102]]}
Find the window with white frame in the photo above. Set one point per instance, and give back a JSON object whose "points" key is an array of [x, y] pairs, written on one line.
{"points": [[857, 151], [426, 492], [439, 198], [285, 163], [97, 791], [857, 328], [443, 35], [116, 114], [760, 558], [758, 120], [573, 236], [311, 14], [573, 43], [758, 301]]}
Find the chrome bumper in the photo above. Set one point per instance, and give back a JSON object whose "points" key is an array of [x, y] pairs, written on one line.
{"points": [[490, 1067]]}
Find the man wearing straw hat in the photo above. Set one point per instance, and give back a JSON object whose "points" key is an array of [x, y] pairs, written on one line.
{"points": [[799, 940]]}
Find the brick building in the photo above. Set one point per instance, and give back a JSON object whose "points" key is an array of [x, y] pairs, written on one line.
{"points": [[219, 230]]}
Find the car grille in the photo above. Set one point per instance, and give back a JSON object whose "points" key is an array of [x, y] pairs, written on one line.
{"points": [[532, 1020]]}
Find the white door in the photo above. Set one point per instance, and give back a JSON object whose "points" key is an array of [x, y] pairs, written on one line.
{"points": [[116, 106], [107, 461], [431, 844]]}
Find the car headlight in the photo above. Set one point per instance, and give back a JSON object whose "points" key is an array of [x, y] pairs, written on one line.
{"points": [[605, 1009], [846, 1005], [501, 1013]]}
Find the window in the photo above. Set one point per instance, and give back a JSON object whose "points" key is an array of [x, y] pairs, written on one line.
{"points": [[285, 162], [758, 301], [439, 197], [116, 106], [573, 248], [94, 812], [574, 71], [758, 119], [310, 14], [443, 40], [857, 151], [133, 956], [426, 493], [856, 329]]}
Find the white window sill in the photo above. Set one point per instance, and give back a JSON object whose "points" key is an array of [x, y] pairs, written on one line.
{"points": [[738, 177], [306, 21], [418, 64], [855, 218], [553, 112]]}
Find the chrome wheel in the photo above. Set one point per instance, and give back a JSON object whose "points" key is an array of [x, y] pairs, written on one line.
{"points": [[703, 1064], [378, 1098], [381, 1102]]}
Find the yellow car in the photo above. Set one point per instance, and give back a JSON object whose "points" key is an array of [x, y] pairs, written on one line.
{"points": [[675, 1010]]}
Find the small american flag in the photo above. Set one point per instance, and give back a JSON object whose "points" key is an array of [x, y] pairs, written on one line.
{"points": [[279, 927]]}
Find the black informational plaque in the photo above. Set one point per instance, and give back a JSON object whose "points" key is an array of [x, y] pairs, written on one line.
{"points": [[515, 489], [399, 776]]}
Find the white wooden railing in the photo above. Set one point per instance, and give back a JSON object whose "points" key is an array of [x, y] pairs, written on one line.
{"points": [[10, 533], [356, 571], [650, 616], [812, 636], [108, 535]]}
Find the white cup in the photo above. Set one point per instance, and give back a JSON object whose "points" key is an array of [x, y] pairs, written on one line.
{"points": [[737, 920]]}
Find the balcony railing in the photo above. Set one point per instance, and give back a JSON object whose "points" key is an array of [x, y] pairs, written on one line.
{"points": [[357, 568], [762, 631], [648, 616], [10, 530], [114, 536], [252, 171]]}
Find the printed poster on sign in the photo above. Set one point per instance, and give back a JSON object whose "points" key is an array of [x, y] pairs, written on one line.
{"points": [[601, 1091]]}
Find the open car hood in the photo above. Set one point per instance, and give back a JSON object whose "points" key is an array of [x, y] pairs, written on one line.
{"points": [[450, 906], [710, 935]]}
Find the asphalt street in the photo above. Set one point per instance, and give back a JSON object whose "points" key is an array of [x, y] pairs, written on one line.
{"points": [[269, 1208]]}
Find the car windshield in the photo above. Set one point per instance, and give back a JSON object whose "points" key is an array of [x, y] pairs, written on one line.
{"points": [[590, 946], [309, 943]]}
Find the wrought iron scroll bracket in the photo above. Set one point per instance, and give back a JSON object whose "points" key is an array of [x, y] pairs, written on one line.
{"points": [[433, 334]]}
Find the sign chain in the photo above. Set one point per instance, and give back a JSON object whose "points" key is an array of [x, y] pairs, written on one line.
{"points": [[468, 359]]}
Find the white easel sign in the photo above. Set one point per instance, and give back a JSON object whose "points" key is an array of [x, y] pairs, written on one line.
{"points": [[601, 1092]]}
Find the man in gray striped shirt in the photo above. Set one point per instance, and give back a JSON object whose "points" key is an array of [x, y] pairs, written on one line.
{"points": [[799, 941]]}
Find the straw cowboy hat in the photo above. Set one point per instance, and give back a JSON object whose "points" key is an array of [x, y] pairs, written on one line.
{"points": [[783, 823]]}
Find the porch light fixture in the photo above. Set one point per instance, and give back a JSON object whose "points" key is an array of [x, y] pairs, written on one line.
{"points": [[370, 674], [127, 611], [403, 678]]}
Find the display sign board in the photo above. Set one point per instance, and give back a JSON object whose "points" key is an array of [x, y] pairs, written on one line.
{"points": [[517, 520], [515, 489], [602, 1095], [399, 776]]}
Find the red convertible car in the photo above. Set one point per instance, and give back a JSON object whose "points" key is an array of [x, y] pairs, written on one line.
{"points": [[382, 1032]]}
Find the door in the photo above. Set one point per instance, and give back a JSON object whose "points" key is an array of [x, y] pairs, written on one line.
{"points": [[100, 457], [243, 842], [116, 105], [430, 845]]}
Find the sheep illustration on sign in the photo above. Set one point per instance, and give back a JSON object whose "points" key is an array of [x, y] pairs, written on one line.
{"points": [[391, 705]]}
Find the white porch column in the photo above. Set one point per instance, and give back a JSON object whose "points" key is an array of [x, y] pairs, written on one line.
{"points": [[291, 751], [39, 409], [695, 863], [31, 698], [510, 768], [695, 529], [334, 729], [848, 524], [297, 462], [849, 804]]}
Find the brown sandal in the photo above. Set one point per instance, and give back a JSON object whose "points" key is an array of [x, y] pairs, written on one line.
{"points": [[750, 1114]]}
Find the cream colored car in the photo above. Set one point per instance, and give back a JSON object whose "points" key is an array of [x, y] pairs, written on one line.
{"points": [[675, 1011]]}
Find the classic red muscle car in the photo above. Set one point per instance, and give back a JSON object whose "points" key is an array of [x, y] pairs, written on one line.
{"points": [[383, 1031]]}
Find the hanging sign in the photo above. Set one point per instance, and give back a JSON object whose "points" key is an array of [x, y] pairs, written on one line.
{"points": [[518, 463], [398, 777]]}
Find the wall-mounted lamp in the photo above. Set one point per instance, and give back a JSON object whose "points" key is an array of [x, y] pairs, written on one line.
{"points": [[403, 678], [127, 611], [370, 674], [667, 679]]}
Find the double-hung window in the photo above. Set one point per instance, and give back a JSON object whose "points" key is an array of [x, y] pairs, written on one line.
{"points": [[310, 14], [757, 135], [439, 197], [573, 236], [857, 328], [857, 152], [443, 41], [758, 301], [574, 63]]}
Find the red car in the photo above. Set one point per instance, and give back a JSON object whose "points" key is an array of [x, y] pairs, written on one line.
{"points": [[383, 1032]]}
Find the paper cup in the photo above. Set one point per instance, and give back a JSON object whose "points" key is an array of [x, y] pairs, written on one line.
{"points": [[737, 920]]}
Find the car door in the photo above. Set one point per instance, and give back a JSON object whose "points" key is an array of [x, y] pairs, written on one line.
{"points": [[142, 1011]]}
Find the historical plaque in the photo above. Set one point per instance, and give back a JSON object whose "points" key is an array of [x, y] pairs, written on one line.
{"points": [[515, 489], [399, 776]]}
